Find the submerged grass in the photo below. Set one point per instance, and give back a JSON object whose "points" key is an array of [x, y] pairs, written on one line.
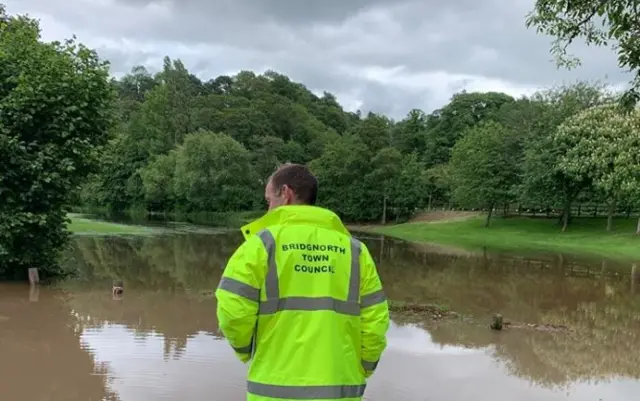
{"points": [[584, 236], [80, 226], [141, 216]]}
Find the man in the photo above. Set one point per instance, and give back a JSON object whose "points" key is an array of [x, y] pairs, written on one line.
{"points": [[301, 299]]}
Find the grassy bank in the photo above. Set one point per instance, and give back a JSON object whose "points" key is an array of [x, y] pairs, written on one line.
{"points": [[585, 235], [124, 223], [82, 226], [141, 216]]}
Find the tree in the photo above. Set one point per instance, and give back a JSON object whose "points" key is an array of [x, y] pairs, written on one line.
{"points": [[438, 183], [411, 187], [341, 176], [612, 23], [410, 134], [374, 130], [386, 165], [603, 150], [544, 183], [213, 173], [55, 110], [158, 181], [483, 169], [447, 125], [268, 152]]}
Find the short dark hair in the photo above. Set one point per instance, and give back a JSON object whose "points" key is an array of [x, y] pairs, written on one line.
{"points": [[300, 179]]}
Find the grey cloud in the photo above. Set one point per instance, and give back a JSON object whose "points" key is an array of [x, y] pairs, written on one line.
{"points": [[287, 12], [314, 41], [393, 102], [447, 37]]}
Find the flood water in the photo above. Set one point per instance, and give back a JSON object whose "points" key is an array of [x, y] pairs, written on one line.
{"points": [[161, 341]]}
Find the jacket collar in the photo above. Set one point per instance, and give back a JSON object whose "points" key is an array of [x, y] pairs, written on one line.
{"points": [[296, 214]]}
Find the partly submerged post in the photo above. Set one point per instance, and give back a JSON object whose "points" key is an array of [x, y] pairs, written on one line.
{"points": [[117, 289], [34, 280], [496, 324], [34, 293], [34, 277]]}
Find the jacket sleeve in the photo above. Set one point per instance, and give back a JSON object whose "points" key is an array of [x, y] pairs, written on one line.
{"points": [[238, 295], [374, 313]]}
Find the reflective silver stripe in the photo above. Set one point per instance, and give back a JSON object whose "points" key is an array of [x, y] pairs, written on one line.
{"points": [[244, 350], [369, 366], [374, 298], [354, 278], [310, 304], [239, 288], [271, 285], [306, 392]]}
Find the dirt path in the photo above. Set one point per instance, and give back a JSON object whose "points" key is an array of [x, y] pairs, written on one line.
{"points": [[442, 216], [432, 217]]}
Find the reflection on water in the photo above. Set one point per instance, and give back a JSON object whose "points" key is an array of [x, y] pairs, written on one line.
{"points": [[161, 342], [141, 368], [41, 357]]}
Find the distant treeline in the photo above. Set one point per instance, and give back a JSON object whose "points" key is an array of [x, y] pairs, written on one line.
{"points": [[188, 145]]}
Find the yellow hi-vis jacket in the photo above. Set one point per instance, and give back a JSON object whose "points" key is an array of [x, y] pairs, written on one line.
{"points": [[302, 302]]}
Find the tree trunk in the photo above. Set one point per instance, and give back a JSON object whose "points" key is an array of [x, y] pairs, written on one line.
{"points": [[485, 259], [638, 228], [505, 210], [612, 210], [488, 221], [429, 204], [566, 213], [384, 209]]}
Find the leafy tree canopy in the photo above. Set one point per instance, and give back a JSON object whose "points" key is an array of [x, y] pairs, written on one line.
{"points": [[55, 112]]}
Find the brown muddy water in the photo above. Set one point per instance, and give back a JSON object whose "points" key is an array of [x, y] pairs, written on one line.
{"points": [[160, 341]]}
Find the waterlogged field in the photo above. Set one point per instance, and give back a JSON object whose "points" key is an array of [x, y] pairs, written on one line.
{"points": [[80, 225], [575, 324]]}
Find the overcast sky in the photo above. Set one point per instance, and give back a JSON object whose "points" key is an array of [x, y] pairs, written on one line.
{"points": [[381, 55]]}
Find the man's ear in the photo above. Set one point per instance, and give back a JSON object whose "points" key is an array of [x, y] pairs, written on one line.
{"points": [[280, 190], [288, 191]]}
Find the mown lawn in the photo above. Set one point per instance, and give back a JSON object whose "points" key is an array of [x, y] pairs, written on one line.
{"points": [[584, 236]]}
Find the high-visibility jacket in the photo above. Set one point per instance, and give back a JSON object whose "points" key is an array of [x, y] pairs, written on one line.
{"points": [[301, 301]]}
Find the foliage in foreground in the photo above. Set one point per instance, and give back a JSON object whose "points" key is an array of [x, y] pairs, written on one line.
{"points": [[610, 23], [54, 111]]}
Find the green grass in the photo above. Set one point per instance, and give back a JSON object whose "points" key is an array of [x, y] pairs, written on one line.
{"points": [[79, 225], [141, 216], [218, 219], [585, 236]]}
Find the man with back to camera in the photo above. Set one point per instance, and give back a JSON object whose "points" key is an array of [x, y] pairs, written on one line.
{"points": [[301, 299]]}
